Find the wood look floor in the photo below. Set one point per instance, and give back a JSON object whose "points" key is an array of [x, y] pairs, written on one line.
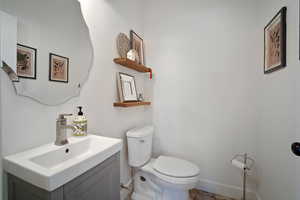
{"points": [[201, 195]]}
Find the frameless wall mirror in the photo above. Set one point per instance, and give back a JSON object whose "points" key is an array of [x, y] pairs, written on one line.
{"points": [[54, 51]]}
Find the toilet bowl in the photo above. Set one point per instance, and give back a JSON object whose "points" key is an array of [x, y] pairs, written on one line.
{"points": [[162, 178]]}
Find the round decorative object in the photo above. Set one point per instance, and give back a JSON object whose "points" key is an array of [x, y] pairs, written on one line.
{"points": [[133, 55], [123, 45]]}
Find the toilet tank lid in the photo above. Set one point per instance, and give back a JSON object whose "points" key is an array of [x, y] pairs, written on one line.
{"points": [[140, 132]]}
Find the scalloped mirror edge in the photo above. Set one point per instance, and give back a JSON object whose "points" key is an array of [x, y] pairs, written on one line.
{"points": [[19, 88]]}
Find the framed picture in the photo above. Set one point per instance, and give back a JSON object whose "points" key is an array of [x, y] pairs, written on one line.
{"points": [[58, 68], [26, 61], [275, 43], [137, 43], [126, 87]]}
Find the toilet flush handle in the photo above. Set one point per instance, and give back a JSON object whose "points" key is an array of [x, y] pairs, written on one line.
{"points": [[142, 141]]}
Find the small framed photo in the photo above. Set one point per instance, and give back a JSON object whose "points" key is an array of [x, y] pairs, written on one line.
{"points": [[275, 43], [126, 87], [26, 61], [137, 43], [58, 68]]}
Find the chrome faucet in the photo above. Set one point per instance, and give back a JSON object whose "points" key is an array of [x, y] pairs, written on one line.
{"points": [[61, 129]]}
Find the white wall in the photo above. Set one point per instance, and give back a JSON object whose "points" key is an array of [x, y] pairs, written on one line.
{"points": [[211, 99], [27, 124], [205, 63], [279, 111], [1, 173]]}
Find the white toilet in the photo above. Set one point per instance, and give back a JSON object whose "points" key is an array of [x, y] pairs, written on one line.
{"points": [[163, 178]]}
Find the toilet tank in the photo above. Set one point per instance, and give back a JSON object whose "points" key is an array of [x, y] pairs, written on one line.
{"points": [[139, 145]]}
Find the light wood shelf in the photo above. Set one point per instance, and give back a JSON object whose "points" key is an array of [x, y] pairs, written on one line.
{"points": [[133, 65], [131, 104]]}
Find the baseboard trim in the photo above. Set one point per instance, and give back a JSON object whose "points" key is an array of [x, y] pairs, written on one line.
{"points": [[225, 190]]}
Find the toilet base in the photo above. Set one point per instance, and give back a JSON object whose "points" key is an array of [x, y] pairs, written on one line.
{"points": [[146, 188], [137, 196], [169, 194]]}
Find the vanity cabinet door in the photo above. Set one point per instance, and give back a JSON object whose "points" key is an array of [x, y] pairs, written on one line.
{"points": [[21, 190], [100, 183]]}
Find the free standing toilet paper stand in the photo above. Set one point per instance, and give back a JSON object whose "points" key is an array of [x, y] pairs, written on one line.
{"points": [[244, 162]]}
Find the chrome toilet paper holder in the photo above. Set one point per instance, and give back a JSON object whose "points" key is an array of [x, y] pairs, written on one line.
{"points": [[247, 165], [245, 159]]}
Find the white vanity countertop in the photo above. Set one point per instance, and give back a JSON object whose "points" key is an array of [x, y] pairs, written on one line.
{"points": [[50, 166]]}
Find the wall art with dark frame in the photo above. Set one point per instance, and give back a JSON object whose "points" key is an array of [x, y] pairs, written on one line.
{"points": [[26, 61], [58, 68], [275, 43], [137, 43]]}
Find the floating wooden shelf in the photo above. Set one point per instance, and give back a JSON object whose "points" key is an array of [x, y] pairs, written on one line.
{"points": [[131, 104], [133, 65]]}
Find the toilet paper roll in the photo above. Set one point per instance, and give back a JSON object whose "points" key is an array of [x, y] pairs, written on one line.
{"points": [[238, 164]]}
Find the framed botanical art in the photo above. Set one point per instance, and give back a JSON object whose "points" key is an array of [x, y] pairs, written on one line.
{"points": [[26, 61], [275, 43], [126, 87], [137, 43], [58, 68]]}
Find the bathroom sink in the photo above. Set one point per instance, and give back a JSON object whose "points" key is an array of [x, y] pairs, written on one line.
{"points": [[51, 166]]}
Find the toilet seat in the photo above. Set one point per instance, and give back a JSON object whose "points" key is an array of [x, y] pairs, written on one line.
{"points": [[179, 181], [175, 167]]}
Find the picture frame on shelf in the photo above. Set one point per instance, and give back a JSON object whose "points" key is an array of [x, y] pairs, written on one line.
{"points": [[126, 87], [26, 61], [137, 43], [275, 43]]}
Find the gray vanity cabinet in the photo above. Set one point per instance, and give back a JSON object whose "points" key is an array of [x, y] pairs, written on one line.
{"points": [[100, 183], [21, 190]]}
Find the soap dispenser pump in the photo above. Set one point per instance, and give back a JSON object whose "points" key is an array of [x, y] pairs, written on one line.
{"points": [[81, 122]]}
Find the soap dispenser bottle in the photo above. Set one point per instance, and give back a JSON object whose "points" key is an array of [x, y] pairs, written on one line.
{"points": [[81, 122]]}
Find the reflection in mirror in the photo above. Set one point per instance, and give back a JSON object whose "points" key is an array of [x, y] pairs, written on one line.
{"points": [[54, 51], [8, 38], [10, 72]]}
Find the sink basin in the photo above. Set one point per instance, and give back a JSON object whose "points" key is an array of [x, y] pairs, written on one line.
{"points": [[51, 166]]}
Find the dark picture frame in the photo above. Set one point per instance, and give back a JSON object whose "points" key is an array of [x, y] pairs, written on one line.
{"points": [[123, 98], [29, 57], [64, 63], [275, 43], [137, 43]]}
